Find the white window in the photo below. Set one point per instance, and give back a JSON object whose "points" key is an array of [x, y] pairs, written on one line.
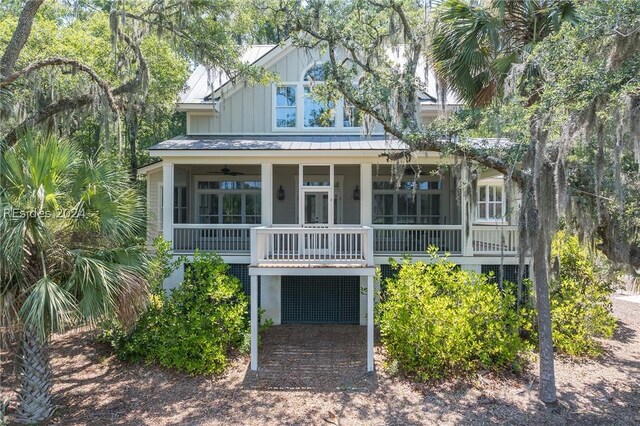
{"points": [[160, 206], [351, 116], [412, 203], [297, 105], [316, 114], [491, 202], [286, 106], [228, 200], [179, 205]]}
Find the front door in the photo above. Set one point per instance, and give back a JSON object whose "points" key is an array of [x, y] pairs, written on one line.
{"points": [[316, 208]]}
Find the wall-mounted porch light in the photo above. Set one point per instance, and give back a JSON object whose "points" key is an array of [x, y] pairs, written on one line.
{"points": [[356, 193], [280, 194]]}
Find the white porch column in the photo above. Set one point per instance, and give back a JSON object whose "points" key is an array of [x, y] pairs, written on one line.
{"points": [[254, 322], [466, 211], [370, 365], [366, 189], [366, 219], [167, 201], [266, 194]]}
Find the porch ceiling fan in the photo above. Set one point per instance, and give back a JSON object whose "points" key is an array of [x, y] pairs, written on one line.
{"points": [[226, 172]]}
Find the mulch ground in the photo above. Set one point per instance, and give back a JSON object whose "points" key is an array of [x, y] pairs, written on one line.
{"points": [[316, 375]]}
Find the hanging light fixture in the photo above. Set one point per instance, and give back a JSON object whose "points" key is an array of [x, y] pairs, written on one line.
{"points": [[280, 195], [356, 193]]}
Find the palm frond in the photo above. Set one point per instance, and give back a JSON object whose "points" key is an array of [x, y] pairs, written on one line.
{"points": [[56, 269], [48, 308]]}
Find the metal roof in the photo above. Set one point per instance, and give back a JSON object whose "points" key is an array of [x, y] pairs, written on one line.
{"points": [[198, 86], [201, 83], [277, 142]]}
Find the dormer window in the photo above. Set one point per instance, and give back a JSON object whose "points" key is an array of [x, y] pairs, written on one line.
{"points": [[297, 107]]}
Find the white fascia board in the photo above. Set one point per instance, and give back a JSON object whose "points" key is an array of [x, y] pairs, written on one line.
{"points": [[269, 59], [205, 107], [289, 157], [150, 168]]}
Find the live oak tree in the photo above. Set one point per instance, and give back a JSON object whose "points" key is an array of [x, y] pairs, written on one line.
{"points": [[98, 74], [504, 57], [124, 87]]}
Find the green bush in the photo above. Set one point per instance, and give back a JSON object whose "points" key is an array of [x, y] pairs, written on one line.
{"points": [[195, 328], [437, 320], [580, 300]]}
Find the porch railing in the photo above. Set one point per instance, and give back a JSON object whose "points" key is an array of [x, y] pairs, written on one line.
{"points": [[227, 239], [416, 239], [495, 239], [336, 245], [342, 244]]}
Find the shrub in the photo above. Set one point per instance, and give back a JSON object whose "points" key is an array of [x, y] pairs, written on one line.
{"points": [[580, 300], [437, 320], [196, 327]]}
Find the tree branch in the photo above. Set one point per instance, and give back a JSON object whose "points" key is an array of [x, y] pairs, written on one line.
{"points": [[66, 104], [50, 62]]}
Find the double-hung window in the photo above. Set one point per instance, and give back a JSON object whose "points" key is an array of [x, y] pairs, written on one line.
{"points": [[286, 106], [491, 202]]}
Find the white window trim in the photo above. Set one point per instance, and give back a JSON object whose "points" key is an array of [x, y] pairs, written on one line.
{"points": [[160, 206], [396, 192], [338, 187], [223, 178], [160, 211], [299, 127], [176, 199], [503, 202]]}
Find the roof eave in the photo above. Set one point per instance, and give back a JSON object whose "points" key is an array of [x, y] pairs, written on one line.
{"points": [[149, 167], [200, 106]]}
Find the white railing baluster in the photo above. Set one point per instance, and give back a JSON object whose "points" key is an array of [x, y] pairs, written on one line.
{"points": [[488, 239]]}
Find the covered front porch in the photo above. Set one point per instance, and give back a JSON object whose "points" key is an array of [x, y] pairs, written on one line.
{"points": [[326, 214]]}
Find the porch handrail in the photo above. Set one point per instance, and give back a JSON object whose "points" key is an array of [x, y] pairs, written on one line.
{"points": [[221, 238], [400, 239], [414, 226], [494, 238], [213, 225], [295, 244]]}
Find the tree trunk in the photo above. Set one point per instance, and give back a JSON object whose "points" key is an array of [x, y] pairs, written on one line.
{"points": [[34, 392], [545, 341], [132, 125], [19, 37]]}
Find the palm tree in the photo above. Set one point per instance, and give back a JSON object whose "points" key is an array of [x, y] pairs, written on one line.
{"points": [[71, 253], [476, 45]]}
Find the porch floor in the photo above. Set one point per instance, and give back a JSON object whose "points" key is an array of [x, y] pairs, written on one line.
{"points": [[326, 357]]}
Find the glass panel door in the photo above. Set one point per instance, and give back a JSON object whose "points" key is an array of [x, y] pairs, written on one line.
{"points": [[316, 207], [208, 208]]}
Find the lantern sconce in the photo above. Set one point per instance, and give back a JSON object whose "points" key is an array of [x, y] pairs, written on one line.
{"points": [[280, 195], [356, 193]]}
